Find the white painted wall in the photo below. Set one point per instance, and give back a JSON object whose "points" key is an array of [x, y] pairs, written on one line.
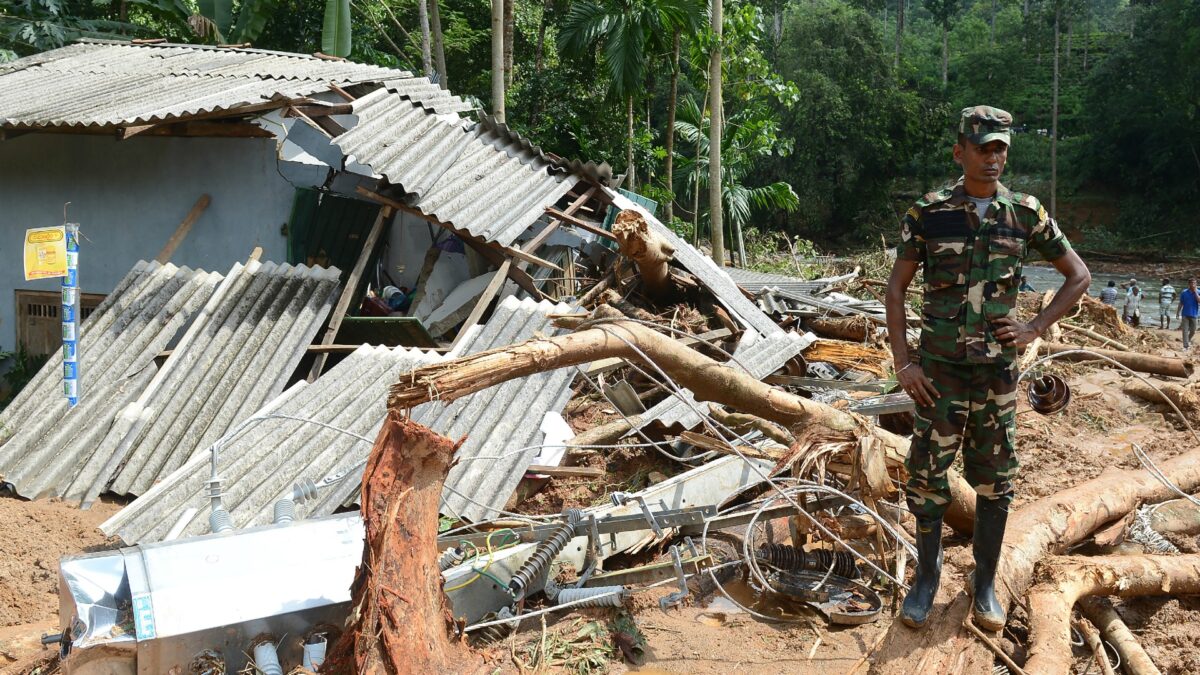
{"points": [[129, 196]]}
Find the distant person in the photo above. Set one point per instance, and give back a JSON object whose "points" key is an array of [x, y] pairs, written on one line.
{"points": [[1166, 298], [1133, 303], [1108, 295], [1025, 287], [1189, 302]]}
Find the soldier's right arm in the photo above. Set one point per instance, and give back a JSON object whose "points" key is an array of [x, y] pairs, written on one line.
{"points": [[910, 256]]}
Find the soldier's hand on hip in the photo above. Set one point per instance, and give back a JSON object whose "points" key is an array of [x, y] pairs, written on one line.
{"points": [[920, 388], [1013, 333]]}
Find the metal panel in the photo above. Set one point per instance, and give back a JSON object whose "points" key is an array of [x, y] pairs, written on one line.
{"points": [[97, 83], [464, 175], [45, 443], [714, 279], [760, 358]]}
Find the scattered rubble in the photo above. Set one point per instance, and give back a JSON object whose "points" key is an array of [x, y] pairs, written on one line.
{"points": [[640, 432]]}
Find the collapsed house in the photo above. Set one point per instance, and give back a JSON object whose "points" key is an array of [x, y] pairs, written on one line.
{"points": [[251, 412]]}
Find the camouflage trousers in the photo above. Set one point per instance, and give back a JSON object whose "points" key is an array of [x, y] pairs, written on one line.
{"points": [[977, 412]]}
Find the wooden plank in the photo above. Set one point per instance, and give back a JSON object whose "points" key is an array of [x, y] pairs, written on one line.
{"points": [[582, 224], [324, 125], [343, 304], [489, 292], [182, 231], [541, 237], [567, 471], [341, 92], [255, 255]]}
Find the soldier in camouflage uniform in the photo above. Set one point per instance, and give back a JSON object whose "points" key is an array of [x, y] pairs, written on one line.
{"points": [[972, 239]]}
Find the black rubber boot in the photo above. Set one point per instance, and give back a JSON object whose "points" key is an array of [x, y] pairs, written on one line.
{"points": [[919, 600], [991, 515]]}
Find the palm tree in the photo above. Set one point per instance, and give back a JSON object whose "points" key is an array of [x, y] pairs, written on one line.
{"points": [[628, 32], [741, 143]]}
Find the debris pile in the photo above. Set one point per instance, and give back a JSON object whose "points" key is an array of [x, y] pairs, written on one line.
{"points": [[702, 437]]}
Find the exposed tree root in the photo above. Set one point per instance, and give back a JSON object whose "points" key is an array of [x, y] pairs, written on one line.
{"points": [[1049, 525], [1134, 659], [1063, 581]]}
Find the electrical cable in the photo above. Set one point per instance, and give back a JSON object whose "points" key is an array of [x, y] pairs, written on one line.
{"points": [[573, 603], [754, 467]]}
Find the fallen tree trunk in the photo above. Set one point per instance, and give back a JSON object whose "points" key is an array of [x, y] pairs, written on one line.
{"points": [[1186, 399], [1134, 659], [651, 253], [1064, 580], [1050, 525], [399, 619], [1178, 516], [1143, 363], [707, 379], [852, 328]]}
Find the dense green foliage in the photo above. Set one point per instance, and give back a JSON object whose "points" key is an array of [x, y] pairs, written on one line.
{"points": [[830, 129]]}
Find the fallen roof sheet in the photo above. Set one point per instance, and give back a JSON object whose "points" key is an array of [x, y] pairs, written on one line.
{"points": [[714, 278], [45, 443], [759, 358], [261, 462], [95, 83], [753, 281], [463, 174], [502, 424], [237, 356]]}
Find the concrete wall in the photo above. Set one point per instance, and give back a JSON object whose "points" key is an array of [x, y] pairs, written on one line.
{"points": [[129, 196]]}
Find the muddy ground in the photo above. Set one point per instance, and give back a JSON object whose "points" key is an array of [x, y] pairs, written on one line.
{"points": [[709, 635]]}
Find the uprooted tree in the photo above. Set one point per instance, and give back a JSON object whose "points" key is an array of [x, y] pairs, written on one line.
{"points": [[409, 594]]}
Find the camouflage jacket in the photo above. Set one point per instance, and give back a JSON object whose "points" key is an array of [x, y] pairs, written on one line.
{"points": [[973, 267]]}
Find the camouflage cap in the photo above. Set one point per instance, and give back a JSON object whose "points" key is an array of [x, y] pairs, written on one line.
{"points": [[983, 123]]}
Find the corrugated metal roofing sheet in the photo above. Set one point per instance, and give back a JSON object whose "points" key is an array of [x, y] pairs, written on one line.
{"points": [[260, 463], [463, 174], [263, 461], [101, 83], [500, 420], [45, 443], [754, 281], [713, 278], [237, 355], [760, 358]]}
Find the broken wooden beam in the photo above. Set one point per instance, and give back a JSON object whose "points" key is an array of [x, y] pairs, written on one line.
{"points": [[581, 224], [651, 253], [382, 222], [1143, 363], [182, 231]]}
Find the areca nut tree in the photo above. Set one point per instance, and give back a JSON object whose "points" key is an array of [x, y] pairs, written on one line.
{"points": [[627, 33], [743, 139]]}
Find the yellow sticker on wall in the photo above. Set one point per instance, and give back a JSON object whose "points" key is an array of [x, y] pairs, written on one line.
{"points": [[45, 253]]}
